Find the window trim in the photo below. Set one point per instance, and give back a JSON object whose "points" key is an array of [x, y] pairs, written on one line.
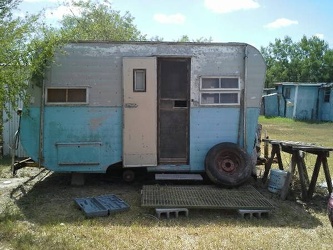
{"points": [[220, 91], [66, 102]]}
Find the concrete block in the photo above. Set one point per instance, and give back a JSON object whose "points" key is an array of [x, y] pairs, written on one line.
{"points": [[248, 213], [171, 211]]}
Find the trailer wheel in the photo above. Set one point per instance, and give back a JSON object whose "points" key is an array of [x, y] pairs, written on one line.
{"points": [[228, 165], [128, 175]]}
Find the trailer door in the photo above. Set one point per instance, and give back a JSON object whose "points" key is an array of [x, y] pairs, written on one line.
{"points": [[173, 110], [140, 112]]}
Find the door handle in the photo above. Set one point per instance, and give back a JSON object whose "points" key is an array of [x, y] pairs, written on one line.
{"points": [[131, 105]]}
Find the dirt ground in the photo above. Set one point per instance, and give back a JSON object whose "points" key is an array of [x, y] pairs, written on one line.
{"points": [[14, 188]]}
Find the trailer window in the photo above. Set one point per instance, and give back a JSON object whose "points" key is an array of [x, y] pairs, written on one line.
{"points": [[219, 83], [139, 80], [220, 91], [287, 93], [66, 95], [327, 94]]}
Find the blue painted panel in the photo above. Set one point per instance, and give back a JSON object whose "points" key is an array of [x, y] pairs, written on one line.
{"points": [[29, 132], [271, 105], [306, 106], [252, 115], [80, 153], [208, 127], [90, 139], [82, 128]]}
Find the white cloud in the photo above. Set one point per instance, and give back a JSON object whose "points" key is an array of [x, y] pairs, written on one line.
{"points": [[320, 36], [281, 22], [226, 6], [170, 19], [60, 11]]}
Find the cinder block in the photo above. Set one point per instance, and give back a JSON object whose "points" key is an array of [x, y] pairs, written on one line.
{"points": [[247, 213], [171, 211]]}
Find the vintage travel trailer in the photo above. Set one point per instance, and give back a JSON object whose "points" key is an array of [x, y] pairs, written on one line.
{"points": [[163, 106]]}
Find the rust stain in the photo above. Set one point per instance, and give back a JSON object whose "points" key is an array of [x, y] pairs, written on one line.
{"points": [[95, 123]]}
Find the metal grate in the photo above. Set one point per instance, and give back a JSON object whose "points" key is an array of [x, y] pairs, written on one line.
{"points": [[203, 196]]}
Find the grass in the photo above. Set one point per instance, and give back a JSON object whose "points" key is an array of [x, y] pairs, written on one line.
{"points": [[41, 214]]}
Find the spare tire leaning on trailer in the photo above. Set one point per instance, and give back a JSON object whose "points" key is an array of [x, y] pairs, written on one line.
{"points": [[227, 164]]}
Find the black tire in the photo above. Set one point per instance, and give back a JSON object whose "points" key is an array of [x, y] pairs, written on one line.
{"points": [[128, 175], [228, 165]]}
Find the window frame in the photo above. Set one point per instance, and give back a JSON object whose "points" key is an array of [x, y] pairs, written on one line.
{"points": [[327, 95], [134, 80], [220, 91], [67, 102]]}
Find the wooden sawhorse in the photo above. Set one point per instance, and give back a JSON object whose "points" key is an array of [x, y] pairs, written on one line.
{"points": [[296, 150]]}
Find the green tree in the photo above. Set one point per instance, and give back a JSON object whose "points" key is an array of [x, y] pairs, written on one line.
{"points": [[99, 22], [309, 60], [186, 39], [15, 33], [27, 45]]}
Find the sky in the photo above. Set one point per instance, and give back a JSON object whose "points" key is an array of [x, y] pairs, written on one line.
{"points": [[256, 22]]}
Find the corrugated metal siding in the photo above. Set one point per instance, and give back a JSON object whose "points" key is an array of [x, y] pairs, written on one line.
{"points": [[10, 126]]}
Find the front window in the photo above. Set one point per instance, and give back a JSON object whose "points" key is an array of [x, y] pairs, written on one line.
{"points": [[220, 91]]}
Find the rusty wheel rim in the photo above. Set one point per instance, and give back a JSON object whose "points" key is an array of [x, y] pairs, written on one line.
{"points": [[227, 164]]}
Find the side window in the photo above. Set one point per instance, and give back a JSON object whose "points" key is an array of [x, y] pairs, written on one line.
{"points": [[327, 94], [67, 96], [287, 92], [219, 91]]}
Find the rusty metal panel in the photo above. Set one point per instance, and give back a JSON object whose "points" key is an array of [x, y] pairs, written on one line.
{"points": [[140, 114]]}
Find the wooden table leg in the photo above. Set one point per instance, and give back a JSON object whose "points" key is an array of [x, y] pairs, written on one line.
{"points": [[279, 159], [301, 176], [268, 164], [327, 173], [306, 175], [290, 174], [314, 176]]}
